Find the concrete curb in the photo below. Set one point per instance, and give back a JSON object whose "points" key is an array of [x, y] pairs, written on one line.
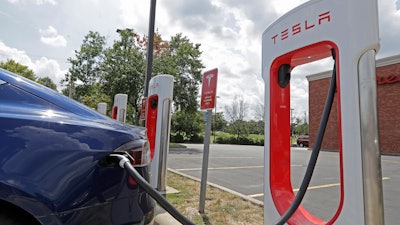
{"points": [[165, 219], [245, 197]]}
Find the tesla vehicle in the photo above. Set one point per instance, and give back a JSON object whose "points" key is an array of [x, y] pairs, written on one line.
{"points": [[55, 163]]}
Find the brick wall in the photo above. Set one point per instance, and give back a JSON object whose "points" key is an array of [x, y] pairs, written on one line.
{"points": [[389, 110], [318, 91], [388, 91]]}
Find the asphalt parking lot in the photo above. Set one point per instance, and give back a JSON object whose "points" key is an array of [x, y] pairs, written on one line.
{"points": [[240, 168]]}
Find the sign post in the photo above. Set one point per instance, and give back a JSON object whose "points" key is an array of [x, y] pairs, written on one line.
{"points": [[208, 93]]}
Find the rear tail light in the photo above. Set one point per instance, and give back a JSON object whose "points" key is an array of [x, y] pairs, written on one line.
{"points": [[137, 150], [139, 153]]}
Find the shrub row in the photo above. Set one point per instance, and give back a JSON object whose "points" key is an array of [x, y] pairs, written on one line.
{"points": [[240, 141], [176, 138]]}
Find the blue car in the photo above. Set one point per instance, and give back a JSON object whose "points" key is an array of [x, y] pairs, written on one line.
{"points": [[54, 161]]}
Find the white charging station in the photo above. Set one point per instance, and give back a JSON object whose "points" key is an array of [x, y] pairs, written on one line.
{"points": [[158, 121], [119, 108], [306, 34], [102, 108]]}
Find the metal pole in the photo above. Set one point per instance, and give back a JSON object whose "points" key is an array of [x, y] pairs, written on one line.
{"points": [[206, 154], [149, 65]]}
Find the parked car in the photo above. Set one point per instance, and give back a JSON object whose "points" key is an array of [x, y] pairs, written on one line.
{"points": [[54, 161], [303, 141]]}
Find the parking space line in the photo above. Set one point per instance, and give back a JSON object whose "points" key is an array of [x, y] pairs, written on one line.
{"points": [[221, 168], [390, 161], [217, 157], [310, 188], [224, 168]]}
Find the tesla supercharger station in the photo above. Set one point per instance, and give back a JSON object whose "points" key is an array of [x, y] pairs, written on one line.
{"points": [[308, 33], [119, 108], [158, 122], [102, 108]]}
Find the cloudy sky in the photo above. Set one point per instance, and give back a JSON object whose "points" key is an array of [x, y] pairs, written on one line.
{"points": [[42, 34]]}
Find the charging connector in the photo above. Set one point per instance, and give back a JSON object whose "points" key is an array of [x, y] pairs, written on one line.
{"points": [[125, 163]]}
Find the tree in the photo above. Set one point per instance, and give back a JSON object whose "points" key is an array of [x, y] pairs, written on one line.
{"points": [[218, 123], [182, 60], [19, 69], [236, 113], [120, 69], [85, 67], [259, 110], [46, 81], [300, 126], [255, 127], [123, 71], [186, 126], [237, 110]]}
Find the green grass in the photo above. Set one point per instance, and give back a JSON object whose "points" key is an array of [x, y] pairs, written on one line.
{"points": [[221, 208]]}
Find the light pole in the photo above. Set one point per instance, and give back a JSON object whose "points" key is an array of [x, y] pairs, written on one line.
{"points": [[215, 117], [149, 64], [291, 122]]}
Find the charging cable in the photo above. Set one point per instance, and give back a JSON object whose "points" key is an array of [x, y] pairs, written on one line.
{"points": [[125, 163], [316, 149]]}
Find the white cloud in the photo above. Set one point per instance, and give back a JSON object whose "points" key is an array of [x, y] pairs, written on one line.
{"points": [[52, 38], [41, 2], [37, 2], [43, 67], [389, 27], [15, 54], [135, 14]]}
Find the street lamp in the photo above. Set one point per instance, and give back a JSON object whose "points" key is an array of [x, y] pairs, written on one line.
{"points": [[215, 117], [291, 122], [149, 62]]}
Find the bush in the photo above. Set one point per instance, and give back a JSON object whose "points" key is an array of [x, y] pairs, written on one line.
{"points": [[179, 138], [240, 141], [196, 139]]}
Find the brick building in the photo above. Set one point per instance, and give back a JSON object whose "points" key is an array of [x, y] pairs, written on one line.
{"points": [[388, 93]]}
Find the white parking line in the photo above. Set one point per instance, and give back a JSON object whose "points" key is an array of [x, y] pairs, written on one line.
{"points": [[222, 168], [225, 168], [310, 188]]}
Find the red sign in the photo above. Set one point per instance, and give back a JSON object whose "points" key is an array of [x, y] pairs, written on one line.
{"points": [[209, 89], [388, 79], [301, 26], [143, 111]]}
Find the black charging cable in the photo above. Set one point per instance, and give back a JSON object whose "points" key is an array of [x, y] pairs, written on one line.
{"points": [[316, 149], [125, 163]]}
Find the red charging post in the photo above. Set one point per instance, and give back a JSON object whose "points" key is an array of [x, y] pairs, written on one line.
{"points": [[151, 122], [158, 123], [306, 34], [119, 108]]}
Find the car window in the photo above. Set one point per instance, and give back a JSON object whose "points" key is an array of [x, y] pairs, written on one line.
{"points": [[14, 96]]}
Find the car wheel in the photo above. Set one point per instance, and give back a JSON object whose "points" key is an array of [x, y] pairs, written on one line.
{"points": [[6, 220], [301, 145], [13, 219]]}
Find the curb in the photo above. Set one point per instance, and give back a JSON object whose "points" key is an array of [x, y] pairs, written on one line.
{"points": [[245, 197], [165, 219]]}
